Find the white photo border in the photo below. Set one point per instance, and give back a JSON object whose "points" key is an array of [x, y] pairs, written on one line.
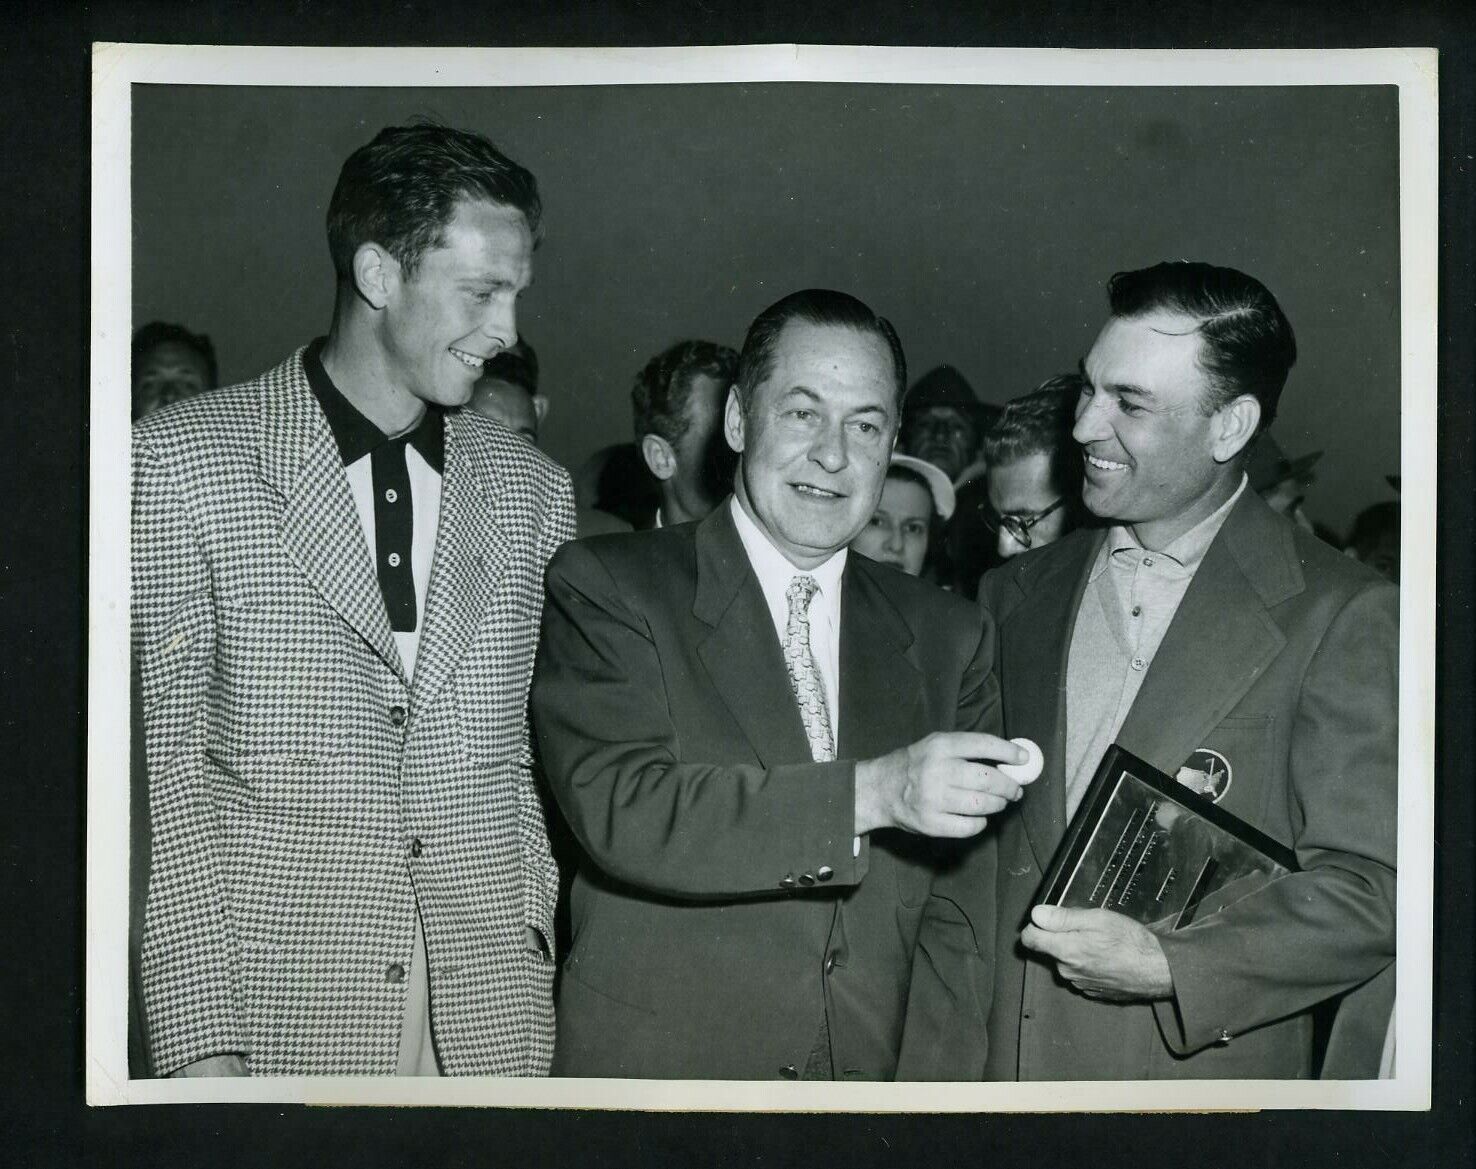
{"points": [[117, 67]]}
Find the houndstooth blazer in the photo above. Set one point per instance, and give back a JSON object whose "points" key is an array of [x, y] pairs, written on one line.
{"points": [[304, 796]]}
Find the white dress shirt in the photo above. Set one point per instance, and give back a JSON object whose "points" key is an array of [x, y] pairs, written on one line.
{"points": [[774, 572]]}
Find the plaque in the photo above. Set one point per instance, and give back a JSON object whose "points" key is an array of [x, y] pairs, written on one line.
{"points": [[1146, 846]]}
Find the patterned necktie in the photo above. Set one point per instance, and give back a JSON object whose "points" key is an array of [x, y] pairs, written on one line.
{"points": [[804, 674]]}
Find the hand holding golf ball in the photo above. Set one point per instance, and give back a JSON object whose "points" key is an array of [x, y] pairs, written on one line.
{"points": [[1029, 771]]}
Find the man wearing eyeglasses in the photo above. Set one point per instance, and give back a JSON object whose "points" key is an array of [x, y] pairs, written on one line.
{"points": [[1202, 631], [1033, 480]]}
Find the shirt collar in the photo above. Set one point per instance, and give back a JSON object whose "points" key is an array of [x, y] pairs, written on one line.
{"points": [[1187, 550], [354, 435], [773, 568]]}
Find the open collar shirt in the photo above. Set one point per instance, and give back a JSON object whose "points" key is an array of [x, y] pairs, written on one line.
{"points": [[1130, 600]]}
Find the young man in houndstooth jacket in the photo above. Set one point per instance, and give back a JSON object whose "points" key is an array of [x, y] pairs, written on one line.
{"points": [[337, 584]]}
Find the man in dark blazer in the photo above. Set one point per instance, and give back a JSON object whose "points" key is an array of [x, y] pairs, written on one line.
{"points": [[337, 584], [1226, 647], [737, 719]]}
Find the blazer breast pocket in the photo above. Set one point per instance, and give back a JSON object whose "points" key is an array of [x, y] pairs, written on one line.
{"points": [[1237, 768]]}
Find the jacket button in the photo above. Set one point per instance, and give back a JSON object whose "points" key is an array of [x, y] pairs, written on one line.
{"points": [[829, 962], [787, 881], [398, 715], [788, 1072], [807, 878], [395, 973], [416, 848], [824, 872], [1223, 1037]]}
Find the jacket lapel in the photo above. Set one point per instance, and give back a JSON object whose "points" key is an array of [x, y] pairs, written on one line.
{"points": [[742, 654], [1221, 638], [472, 552], [881, 690], [319, 525], [1035, 640]]}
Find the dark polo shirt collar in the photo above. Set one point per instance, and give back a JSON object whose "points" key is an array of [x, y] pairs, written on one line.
{"points": [[355, 435]]}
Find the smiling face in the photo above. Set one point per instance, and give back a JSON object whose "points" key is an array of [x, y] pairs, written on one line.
{"points": [[816, 438], [458, 309], [897, 533], [1153, 457]]}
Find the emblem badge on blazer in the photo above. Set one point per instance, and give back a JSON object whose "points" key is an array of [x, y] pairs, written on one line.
{"points": [[1207, 773]]}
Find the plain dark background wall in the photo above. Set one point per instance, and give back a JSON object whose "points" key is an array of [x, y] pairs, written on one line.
{"points": [[983, 221]]}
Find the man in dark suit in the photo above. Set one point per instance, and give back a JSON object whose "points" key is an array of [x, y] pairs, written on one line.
{"points": [[737, 719], [1213, 638], [337, 580]]}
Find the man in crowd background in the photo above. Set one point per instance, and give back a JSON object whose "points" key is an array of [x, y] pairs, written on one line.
{"points": [[508, 392], [677, 408], [1032, 472], [170, 364]]}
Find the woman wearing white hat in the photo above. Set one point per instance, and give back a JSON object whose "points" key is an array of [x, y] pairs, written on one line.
{"points": [[913, 494]]}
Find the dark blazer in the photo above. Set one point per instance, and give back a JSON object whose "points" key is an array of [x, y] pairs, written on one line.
{"points": [[1283, 658], [720, 912]]}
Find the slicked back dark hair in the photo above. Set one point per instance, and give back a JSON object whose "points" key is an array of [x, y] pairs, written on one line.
{"points": [[1248, 345], [401, 189], [1040, 422], [662, 390], [813, 306]]}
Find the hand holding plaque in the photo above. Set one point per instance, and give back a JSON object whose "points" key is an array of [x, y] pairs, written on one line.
{"points": [[1146, 846]]}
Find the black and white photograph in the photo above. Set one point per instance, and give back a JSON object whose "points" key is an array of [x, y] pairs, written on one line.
{"points": [[614, 574]]}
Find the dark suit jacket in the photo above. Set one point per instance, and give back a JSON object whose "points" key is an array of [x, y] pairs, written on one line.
{"points": [[1282, 658], [720, 911]]}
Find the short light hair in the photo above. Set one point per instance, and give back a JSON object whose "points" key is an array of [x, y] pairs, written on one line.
{"points": [[401, 190]]}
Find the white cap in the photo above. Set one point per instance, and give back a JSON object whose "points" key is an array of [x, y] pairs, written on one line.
{"points": [[938, 483]]}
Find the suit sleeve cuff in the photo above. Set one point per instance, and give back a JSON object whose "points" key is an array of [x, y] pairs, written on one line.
{"points": [[1193, 1018]]}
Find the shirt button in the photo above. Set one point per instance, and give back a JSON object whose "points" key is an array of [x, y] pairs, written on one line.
{"points": [[824, 872], [398, 715], [1137, 610], [394, 559], [1147, 562], [395, 973], [788, 1072], [390, 495], [1140, 663], [416, 848]]}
